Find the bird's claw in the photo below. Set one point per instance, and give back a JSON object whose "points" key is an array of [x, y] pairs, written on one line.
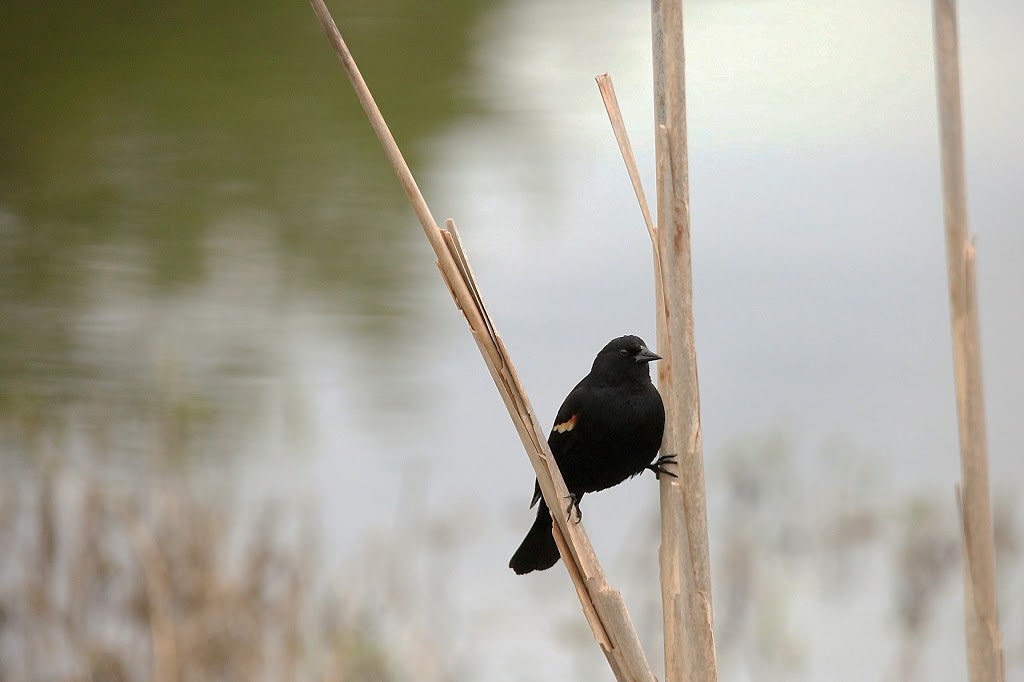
{"points": [[658, 466], [574, 503]]}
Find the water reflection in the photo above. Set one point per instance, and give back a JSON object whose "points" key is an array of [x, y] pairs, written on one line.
{"points": [[176, 178]]}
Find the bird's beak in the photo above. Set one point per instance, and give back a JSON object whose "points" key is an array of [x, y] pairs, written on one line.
{"points": [[646, 355]]}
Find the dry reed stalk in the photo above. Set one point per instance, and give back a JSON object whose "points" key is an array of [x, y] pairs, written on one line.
{"points": [[684, 556], [984, 642], [611, 105], [603, 606], [159, 595]]}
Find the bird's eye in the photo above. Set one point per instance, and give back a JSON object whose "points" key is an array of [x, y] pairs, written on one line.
{"points": [[623, 352]]}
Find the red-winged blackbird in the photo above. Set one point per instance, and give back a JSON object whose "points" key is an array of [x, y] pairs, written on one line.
{"points": [[608, 429]]}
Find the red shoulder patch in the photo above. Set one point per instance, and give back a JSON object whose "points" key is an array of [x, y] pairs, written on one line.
{"points": [[566, 425]]}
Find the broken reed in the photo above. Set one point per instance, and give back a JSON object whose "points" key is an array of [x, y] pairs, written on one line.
{"points": [[602, 606]]}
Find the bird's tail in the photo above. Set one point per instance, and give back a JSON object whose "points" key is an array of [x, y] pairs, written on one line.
{"points": [[538, 550]]}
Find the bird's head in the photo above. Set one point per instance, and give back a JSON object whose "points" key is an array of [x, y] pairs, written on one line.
{"points": [[626, 356]]}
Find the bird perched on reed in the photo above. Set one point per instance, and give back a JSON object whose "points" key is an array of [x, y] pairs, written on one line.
{"points": [[608, 429]]}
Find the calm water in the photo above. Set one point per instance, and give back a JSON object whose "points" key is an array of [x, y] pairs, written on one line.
{"points": [[205, 258]]}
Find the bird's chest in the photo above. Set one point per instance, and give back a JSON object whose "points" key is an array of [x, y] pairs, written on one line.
{"points": [[621, 422], [617, 440]]}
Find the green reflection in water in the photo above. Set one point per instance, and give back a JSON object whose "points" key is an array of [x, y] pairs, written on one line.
{"points": [[129, 131]]}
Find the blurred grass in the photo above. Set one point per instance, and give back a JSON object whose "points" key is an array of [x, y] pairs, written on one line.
{"points": [[812, 542], [156, 575], [105, 581]]}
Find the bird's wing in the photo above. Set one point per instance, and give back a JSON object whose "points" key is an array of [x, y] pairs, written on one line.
{"points": [[562, 435]]}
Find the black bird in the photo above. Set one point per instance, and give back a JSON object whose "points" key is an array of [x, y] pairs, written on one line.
{"points": [[608, 429]]}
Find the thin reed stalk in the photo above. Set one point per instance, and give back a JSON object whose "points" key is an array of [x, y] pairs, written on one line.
{"points": [[984, 642]]}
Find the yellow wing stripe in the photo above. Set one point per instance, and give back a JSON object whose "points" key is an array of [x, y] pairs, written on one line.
{"points": [[566, 425]]}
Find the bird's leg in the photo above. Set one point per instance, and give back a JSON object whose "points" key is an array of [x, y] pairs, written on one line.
{"points": [[658, 466], [574, 503]]}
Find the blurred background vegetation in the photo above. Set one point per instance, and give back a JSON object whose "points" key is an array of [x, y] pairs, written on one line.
{"points": [[241, 429]]}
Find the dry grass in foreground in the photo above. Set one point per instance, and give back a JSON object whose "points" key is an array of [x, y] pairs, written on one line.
{"points": [[150, 583]]}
